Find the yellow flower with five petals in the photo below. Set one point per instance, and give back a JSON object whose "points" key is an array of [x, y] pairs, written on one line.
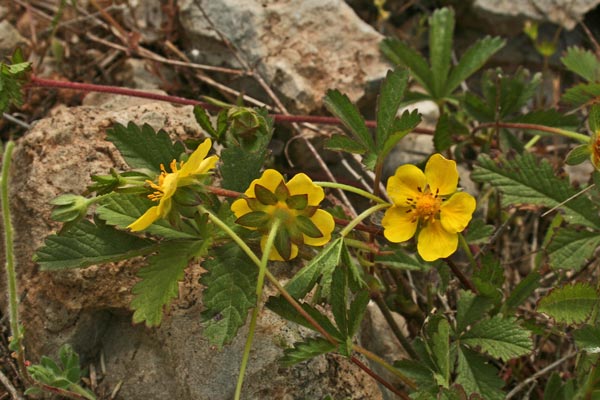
{"points": [[428, 200], [183, 174], [295, 204]]}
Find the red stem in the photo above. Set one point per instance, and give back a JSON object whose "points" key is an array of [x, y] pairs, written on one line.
{"points": [[90, 87]]}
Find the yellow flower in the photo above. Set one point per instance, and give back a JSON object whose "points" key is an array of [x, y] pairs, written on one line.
{"points": [[168, 182], [295, 205], [430, 199]]}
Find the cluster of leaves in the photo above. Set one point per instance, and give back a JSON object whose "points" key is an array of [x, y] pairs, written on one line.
{"points": [[12, 77]]}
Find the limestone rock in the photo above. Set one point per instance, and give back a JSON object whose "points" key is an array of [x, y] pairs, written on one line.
{"points": [[89, 308], [566, 13], [300, 56]]}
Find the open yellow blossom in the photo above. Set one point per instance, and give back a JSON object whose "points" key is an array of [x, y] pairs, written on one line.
{"points": [[428, 200], [295, 204], [183, 174]]}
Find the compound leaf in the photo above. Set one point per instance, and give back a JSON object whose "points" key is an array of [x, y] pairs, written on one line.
{"points": [[340, 105]]}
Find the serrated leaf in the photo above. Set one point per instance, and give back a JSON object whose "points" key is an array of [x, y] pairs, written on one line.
{"points": [[357, 311], [344, 143], [240, 167], [86, 244], [478, 108], [470, 308], [474, 58], [478, 232], [478, 376], [303, 351], [441, 30], [570, 304], [340, 105], [122, 209], [160, 280], [571, 248], [400, 54], [143, 147], [582, 62], [581, 94], [440, 346], [230, 292], [499, 337], [400, 128], [587, 338], [524, 181], [400, 260], [548, 118], [204, 121], [521, 292], [388, 102], [12, 77], [578, 155], [323, 264], [442, 137]]}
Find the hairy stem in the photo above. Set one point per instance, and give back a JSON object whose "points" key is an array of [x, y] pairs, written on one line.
{"points": [[361, 217], [534, 127], [348, 188]]}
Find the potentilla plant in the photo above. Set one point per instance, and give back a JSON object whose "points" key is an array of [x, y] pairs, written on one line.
{"points": [[480, 336]]}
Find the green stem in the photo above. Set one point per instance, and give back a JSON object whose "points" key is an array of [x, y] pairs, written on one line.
{"points": [[222, 225], [259, 290], [358, 244], [348, 228], [467, 249], [348, 188], [534, 127], [11, 275]]}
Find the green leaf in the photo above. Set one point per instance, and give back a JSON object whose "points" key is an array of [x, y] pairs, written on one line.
{"points": [[581, 94], [12, 77], [489, 278], [587, 338], [400, 54], [476, 375], [357, 311], [548, 118], [470, 308], [441, 29], [442, 137], [143, 147], [204, 121], [521, 292], [570, 304], [524, 181], [323, 264], [400, 128], [339, 299], [240, 167], [344, 143], [123, 209], [400, 260], [582, 62], [230, 291], [499, 337], [388, 102], [474, 58], [340, 105], [88, 244], [594, 118], [578, 155], [479, 232], [440, 345], [303, 351], [160, 280], [571, 248]]}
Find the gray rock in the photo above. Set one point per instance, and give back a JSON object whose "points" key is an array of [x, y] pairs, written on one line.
{"points": [[10, 39], [89, 308], [566, 13], [300, 56]]}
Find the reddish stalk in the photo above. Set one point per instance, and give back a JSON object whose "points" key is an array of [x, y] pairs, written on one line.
{"points": [[90, 87]]}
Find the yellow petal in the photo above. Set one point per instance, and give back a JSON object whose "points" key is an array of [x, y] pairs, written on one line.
{"points": [[240, 207], [434, 242], [399, 224], [169, 185], [192, 165], [324, 221], [302, 184], [145, 220], [274, 256], [441, 175], [405, 184], [456, 212], [269, 179]]}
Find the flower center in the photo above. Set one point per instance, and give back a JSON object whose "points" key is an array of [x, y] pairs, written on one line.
{"points": [[427, 205], [160, 187]]}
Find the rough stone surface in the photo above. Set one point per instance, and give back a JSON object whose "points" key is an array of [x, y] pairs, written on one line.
{"points": [[300, 56], [89, 307], [566, 13]]}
